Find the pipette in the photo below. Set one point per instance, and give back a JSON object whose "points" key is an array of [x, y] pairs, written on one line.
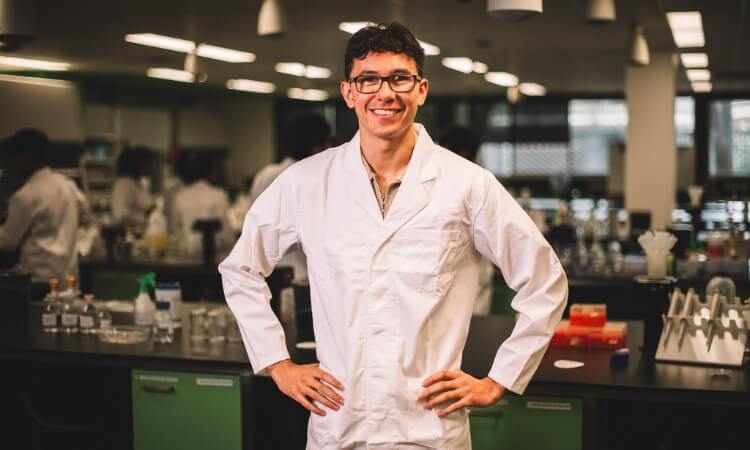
{"points": [[713, 316], [687, 310], [674, 305]]}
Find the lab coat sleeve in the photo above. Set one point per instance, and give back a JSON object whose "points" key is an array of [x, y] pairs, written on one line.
{"points": [[84, 210], [505, 234], [268, 232], [20, 217]]}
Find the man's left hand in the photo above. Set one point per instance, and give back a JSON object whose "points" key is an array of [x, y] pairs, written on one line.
{"points": [[461, 389]]}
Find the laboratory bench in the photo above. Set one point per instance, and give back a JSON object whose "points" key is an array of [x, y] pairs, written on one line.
{"points": [[148, 393]]}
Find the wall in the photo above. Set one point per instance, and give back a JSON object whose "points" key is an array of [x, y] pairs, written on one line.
{"points": [[52, 106]]}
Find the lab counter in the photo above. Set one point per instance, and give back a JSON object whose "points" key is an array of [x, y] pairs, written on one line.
{"points": [[621, 408]]}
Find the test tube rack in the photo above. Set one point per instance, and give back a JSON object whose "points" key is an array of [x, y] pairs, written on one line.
{"points": [[712, 332]]}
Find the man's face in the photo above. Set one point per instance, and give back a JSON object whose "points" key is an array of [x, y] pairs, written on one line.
{"points": [[384, 114]]}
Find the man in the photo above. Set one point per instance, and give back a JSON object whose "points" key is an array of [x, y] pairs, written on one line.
{"points": [[393, 227], [308, 135], [43, 215]]}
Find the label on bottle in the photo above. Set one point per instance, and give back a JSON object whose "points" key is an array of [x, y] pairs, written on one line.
{"points": [[87, 322], [105, 324], [69, 320], [49, 319]]}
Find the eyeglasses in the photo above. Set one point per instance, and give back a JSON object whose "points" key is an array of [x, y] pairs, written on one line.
{"points": [[370, 84]]}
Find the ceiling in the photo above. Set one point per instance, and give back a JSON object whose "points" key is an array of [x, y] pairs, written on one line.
{"points": [[558, 48]]}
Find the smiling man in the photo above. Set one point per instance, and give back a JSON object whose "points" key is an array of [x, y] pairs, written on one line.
{"points": [[394, 228]]}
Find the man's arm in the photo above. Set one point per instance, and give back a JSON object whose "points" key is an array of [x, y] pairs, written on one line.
{"points": [[268, 233], [15, 228]]}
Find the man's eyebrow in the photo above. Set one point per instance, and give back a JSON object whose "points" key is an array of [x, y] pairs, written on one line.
{"points": [[394, 71]]}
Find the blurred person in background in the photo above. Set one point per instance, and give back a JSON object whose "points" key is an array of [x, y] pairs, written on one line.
{"points": [[43, 214], [200, 199], [463, 142], [309, 134], [131, 199], [180, 171]]}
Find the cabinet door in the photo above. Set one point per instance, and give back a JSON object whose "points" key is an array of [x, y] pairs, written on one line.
{"points": [[183, 411], [527, 423]]}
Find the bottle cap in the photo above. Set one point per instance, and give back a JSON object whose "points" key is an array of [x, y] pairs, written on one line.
{"points": [[162, 306]]}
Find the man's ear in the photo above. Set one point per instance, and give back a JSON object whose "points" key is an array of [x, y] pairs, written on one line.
{"points": [[348, 94]]}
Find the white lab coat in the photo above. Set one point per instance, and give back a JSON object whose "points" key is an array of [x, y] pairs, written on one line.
{"points": [[296, 258], [392, 298], [196, 201], [43, 219], [130, 201]]}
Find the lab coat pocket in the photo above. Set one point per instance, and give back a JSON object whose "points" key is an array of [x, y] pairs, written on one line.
{"points": [[423, 258], [423, 425]]}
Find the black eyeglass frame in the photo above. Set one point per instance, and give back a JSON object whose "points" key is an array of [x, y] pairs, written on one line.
{"points": [[415, 80]]}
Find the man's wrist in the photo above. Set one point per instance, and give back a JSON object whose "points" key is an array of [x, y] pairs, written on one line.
{"points": [[278, 365], [498, 390]]}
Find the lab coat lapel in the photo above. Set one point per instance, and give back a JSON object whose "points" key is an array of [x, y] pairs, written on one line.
{"points": [[358, 182], [414, 193]]}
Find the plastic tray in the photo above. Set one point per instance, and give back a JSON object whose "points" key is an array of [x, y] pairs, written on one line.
{"points": [[124, 334]]}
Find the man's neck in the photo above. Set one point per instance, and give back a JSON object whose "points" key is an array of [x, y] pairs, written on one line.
{"points": [[388, 157]]}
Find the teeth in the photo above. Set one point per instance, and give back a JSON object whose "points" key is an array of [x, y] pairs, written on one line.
{"points": [[385, 112]]}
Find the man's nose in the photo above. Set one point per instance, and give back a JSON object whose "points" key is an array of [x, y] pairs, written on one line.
{"points": [[385, 90]]}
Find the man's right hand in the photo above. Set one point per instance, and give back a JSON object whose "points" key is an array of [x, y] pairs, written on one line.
{"points": [[307, 384]]}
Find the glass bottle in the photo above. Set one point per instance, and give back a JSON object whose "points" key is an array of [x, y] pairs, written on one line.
{"points": [[51, 312], [69, 316], [104, 318], [87, 316], [163, 330]]}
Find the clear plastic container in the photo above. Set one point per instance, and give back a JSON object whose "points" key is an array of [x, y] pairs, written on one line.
{"points": [[124, 334]]}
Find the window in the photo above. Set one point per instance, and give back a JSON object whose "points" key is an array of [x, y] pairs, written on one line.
{"points": [[729, 138]]}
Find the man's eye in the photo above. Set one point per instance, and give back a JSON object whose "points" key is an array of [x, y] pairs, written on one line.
{"points": [[400, 79]]}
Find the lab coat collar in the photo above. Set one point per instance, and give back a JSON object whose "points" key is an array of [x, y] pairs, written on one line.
{"points": [[414, 193]]}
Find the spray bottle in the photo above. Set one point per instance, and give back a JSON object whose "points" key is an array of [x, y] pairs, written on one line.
{"points": [[144, 307]]}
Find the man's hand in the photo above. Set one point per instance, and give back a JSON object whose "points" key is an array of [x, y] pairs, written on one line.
{"points": [[307, 384], [459, 388]]}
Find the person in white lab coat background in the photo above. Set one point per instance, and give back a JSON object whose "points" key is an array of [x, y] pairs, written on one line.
{"points": [[463, 142], [308, 135], [394, 228], [44, 214], [200, 199], [131, 200]]}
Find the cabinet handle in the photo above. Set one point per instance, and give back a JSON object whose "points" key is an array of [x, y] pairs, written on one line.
{"points": [[481, 412], [159, 389]]}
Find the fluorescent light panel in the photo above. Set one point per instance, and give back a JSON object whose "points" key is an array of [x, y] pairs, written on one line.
{"points": [[460, 64], [694, 60], [37, 64], [166, 73], [300, 70], [224, 54], [353, 27], [701, 86], [37, 81], [699, 74], [315, 95], [687, 28], [261, 87], [504, 79], [316, 72], [532, 89]]}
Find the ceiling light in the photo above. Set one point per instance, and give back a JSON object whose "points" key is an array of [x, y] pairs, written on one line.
{"points": [[687, 29], [159, 41], [48, 82], [460, 64], [315, 95], [224, 54], [513, 9], [694, 60], [480, 67], [317, 72], [601, 11], [701, 86], [429, 49], [638, 54], [251, 86], [37, 64], [532, 89], [699, 74], [290, 68], [165, 73], [353, 27], [501, 78], [17, 23], [271, 19]]}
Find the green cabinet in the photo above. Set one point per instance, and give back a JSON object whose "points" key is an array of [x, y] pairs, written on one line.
{"points": [[184, 411], [528, 423]]}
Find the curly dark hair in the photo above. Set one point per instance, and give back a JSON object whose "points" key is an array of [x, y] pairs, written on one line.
{"points": [[383, 38]]}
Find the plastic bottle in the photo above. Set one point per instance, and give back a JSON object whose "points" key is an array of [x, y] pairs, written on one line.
{"points": [[163, 329], [155, 238], [722, 284], [144, 307]]}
